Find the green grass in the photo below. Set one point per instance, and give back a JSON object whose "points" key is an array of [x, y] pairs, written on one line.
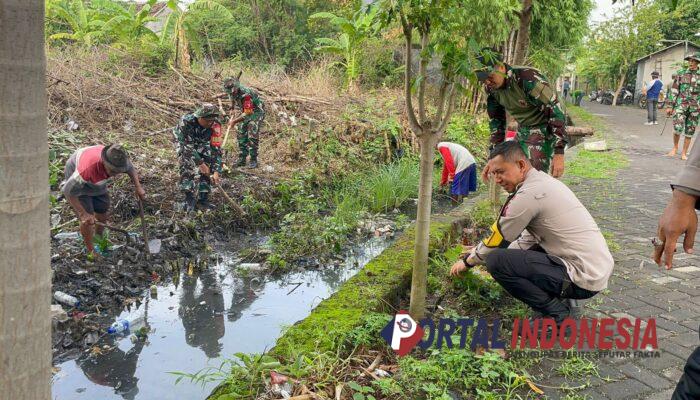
{"points": [[613, 245], [596, 164], [389, 186], [574, 367]]}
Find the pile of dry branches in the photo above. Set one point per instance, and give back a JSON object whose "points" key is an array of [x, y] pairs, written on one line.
{"points": [[101, 94]]}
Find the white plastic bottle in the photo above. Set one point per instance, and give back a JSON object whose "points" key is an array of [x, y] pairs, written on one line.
{"points": [[126, 324], [66, 299]]}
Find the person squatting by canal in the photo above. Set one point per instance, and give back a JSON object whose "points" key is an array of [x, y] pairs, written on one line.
{"points": [[88, 172], [251, 119], [199, 138], [684, 104], [459, 170], [545, 245], [528, 97]]}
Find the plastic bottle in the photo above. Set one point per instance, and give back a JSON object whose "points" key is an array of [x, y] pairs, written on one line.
{"points": [[66, 299], [126, 325]]}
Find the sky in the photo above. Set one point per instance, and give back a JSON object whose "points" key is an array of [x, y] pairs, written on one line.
{"points": [[604, 9]]}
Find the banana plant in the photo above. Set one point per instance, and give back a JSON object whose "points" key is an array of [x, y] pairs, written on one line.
{"points": [[179, 29], [352, 32], [127, 23], [86, 27]]}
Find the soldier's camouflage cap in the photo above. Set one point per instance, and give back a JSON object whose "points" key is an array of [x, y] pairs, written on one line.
{"points": [[208, 111], [488, 58], [693, 56], [232, 82]]}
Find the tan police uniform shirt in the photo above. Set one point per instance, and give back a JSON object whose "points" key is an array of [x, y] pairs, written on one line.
{"points": [[544, 211]]}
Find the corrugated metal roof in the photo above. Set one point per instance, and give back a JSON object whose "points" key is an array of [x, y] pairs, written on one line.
{"points": [[684, 42]]}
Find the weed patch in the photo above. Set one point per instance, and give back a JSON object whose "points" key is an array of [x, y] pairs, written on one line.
{"points": [[597, 164]]}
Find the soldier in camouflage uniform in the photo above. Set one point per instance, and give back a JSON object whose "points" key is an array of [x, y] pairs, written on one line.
{"points": [[198, 138], [253, 113], [683, 102], [527, 96]]}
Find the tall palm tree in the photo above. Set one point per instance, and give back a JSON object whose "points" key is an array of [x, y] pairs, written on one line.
{"points": [[25, 328]]}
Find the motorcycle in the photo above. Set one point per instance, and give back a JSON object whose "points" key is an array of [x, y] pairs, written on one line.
{"points": [[643, 101], [625, 97], [593, 96], [606, 97]]}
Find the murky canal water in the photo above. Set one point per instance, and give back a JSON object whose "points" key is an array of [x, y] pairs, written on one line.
{"points": [[207, 316]]}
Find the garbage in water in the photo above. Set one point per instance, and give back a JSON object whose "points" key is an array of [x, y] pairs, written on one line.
{"points": [[66, 299], [213, 313], [126, 325], [251, 266]]}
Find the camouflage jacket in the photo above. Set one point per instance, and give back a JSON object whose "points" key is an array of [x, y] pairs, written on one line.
{"points": [[685, 90], [248, 101], [195, 142], [529, 98]]}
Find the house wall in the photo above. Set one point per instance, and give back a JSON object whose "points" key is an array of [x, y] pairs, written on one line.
{"points": [[666, 63]]}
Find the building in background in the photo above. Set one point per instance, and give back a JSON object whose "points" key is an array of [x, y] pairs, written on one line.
{"points": [[665, 61]]}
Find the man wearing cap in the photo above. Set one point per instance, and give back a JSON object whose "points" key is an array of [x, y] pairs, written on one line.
{"points": [[87, 174], [198, 138], [682, 103], [527, 96], [252, 115], [652, 91]]}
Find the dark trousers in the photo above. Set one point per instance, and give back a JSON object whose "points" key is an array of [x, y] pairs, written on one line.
{"points": [[533, 277], [651, 109], [688, 387]]}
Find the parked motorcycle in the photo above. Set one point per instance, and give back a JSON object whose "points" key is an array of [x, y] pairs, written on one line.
{"points": [[593, 96], [643, 101], [626, 96]]}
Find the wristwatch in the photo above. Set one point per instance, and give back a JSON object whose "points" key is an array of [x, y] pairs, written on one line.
{"points": [[465, 259]]}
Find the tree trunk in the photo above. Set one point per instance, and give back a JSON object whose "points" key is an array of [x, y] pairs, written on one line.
{"points": [[25, 279], [619, 88], [422, 239], [523, 42]]}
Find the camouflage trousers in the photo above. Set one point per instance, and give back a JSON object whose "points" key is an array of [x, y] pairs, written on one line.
{"points": [[685, 120], [189, 173], [537, 146], [248, 136]]}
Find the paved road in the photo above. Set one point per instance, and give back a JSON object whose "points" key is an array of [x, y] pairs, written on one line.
{"points": [[628, 207]]}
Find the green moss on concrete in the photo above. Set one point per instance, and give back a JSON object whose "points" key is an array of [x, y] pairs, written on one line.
{"points": [[380, 282]]}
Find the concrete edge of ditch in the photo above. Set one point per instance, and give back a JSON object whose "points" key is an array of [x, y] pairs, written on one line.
{"points": [[380, 283]]}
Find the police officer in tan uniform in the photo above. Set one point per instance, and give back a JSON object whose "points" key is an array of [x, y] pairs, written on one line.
{"points": [[545, 246]]}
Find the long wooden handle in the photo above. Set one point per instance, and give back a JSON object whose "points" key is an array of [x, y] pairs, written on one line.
{"points": [[114, 228], [143, 226], [230, 200]]}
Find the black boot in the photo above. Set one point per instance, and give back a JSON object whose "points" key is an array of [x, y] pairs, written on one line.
{"points": [[253, 162], [203, 201], [189, 203]]}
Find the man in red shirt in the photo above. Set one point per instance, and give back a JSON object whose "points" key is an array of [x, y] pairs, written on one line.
{"points": [[87, 174]]}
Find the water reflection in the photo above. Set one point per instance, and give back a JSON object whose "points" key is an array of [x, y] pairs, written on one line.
{"points": [[114, 368], [189, 330], [201, 311]]}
